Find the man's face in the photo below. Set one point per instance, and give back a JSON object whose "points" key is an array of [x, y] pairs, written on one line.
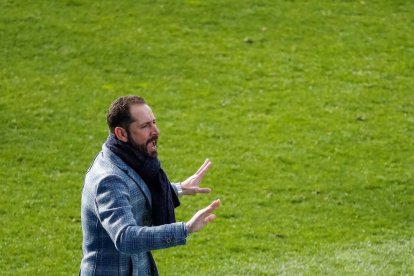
{"points": [[143, 132]]}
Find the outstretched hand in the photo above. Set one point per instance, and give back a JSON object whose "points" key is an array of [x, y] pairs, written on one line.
{"points": [[202, 217], [191, 185]]}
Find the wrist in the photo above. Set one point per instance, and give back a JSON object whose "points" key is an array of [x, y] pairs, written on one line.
{"points": [[179, 189], [187, 228]]}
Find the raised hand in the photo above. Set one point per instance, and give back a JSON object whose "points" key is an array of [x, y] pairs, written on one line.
{"points": [[202, 217], [191, 185]]}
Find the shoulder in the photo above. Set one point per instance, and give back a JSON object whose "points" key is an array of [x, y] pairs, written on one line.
{"points": [[105, 168], [107, 163], [109, 173]]}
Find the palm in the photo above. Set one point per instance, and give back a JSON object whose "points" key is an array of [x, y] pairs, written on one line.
{"points": [[191, 185]]}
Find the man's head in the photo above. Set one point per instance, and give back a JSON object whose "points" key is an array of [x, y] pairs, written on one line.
{"points": [[131, 120]]}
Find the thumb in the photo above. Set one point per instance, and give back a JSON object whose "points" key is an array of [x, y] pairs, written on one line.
{"points": [[209, 218]]}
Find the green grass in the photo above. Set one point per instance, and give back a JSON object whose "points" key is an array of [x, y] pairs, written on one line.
{"points": [[304, 107]]}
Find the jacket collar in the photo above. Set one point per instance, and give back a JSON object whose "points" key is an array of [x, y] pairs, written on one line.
{"points": [[115, 160]]}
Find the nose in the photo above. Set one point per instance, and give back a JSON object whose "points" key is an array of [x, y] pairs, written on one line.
{"points": [[155, 130]]}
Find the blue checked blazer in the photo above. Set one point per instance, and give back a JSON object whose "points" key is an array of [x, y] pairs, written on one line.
{"points": [[116, 221]]}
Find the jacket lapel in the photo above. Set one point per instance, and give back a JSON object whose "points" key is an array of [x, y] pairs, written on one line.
{"points": [[129, 171]]}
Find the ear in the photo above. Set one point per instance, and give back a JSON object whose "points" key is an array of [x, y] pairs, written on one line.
{"points": [[121, 134]]}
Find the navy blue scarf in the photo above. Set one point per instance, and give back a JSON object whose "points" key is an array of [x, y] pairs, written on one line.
{"points": [[164, 199]]}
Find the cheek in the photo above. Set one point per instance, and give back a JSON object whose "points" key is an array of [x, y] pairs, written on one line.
{"points": [[139, 136]]}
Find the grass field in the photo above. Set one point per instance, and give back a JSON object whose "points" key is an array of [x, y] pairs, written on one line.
{"points": [[306, 109]]}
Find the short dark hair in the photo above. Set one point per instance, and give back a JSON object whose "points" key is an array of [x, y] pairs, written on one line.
{"points": [[118, 113]]}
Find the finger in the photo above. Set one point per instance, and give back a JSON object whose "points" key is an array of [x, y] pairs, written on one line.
{"points": [[202, 166], [214, 205], [210, 208], [203, 169], [202, 190], [209, 218], [207, 162]]}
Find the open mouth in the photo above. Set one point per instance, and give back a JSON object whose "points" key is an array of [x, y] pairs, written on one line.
{"points": [[152, 145]]}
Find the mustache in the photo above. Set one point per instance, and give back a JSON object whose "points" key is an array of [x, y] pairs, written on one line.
{"points": [[152, 139]]}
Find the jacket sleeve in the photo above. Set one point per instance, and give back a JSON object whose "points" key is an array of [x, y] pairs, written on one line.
{"points": [[115, 214]]}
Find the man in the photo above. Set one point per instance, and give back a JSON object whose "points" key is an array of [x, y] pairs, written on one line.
{"points": [[127, 200]]}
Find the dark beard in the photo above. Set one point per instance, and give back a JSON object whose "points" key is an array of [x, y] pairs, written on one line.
{"points": [[142, 148]]}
